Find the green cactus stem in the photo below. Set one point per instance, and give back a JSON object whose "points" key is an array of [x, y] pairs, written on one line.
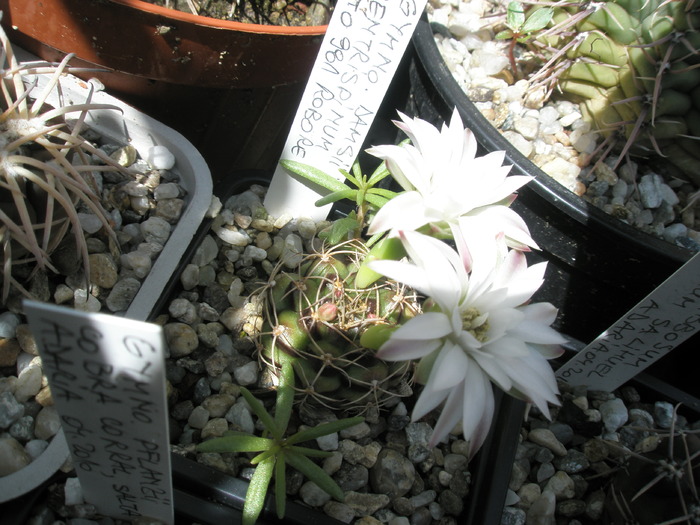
{"points": [[634, 65], [318, 318]]}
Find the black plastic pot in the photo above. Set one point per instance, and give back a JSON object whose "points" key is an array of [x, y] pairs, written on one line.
{"points": [[204, 495], [598, 267]]}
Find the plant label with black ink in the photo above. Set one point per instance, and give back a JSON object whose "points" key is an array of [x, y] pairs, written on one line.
{"points": [[669, 315], [107, 379], [360, 53]]}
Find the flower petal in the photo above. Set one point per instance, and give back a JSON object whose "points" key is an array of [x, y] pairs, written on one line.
{"points": [[409, 274], [428, 325], [404, 211], [452, 368], [478, 409], [450, 414], [405, 350]]}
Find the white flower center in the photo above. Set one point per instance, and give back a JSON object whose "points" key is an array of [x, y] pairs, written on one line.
{"points": [[475, 323]]}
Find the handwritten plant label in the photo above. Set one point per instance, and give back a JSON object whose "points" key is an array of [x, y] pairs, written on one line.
{"points": [[107, 379], [359, 55], [669, 315]]}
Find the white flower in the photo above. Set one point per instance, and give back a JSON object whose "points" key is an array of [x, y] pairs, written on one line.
{"points": [[480, 329], [446, 182]]}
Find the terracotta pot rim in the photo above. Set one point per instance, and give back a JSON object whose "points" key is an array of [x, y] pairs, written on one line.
{"points": [[221, 24]]}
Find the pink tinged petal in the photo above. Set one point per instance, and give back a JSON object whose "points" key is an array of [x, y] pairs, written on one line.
{"points": [[488, 299], [535, 332], [427, 402], [429, 398], [523, 282], [539, 363], [503, 321], [512, 269], [451, 367], [535, 379], [425, 366], [470, 147], [403, 212], [441, 265], [462, 246], [507, 347], [545, 313], [423, 135], [458, 140], [468, 342], [406, 165], [500, 218], [491, 367], [450, 414], [478, 415], [385, 153], [548, 351], [429, 325], [405, 350]]}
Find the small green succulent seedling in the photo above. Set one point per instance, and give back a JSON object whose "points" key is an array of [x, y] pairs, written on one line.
{"points": [[277, 451], [522, 29], [367, 197], [365, 194]]}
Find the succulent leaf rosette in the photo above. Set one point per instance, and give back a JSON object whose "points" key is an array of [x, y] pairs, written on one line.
{"points": [[475, 324]]}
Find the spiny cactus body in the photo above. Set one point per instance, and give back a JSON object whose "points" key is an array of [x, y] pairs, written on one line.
{"points": [[326, 326], [46, 172], [635, 66]]}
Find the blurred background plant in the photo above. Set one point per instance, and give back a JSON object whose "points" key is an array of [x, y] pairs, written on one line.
{"points": [[634, 67], [267, 12], [658, 482], [47, 173]]}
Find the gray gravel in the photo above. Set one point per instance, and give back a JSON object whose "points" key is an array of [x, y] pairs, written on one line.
{"points": [[552, 134], [143, 220]]}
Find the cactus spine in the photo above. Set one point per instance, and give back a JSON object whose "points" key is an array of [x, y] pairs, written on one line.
{"points": [[635, 67]]}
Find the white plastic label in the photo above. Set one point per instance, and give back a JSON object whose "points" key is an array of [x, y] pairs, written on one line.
{"points": [[359, 55], [669, 315], [107, 379]]}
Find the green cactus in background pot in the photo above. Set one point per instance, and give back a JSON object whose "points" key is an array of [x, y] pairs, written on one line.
{"points": [[635, 67]]}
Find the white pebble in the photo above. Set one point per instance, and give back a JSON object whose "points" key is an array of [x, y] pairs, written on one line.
{"points": [[72, 491], [89, 222], [36, 447], [166, 190], [47, 423], [160, 158], [569, 118], [232, 236], [85, 301], [523, 145], [138, 262], [8, 324], [548, 115], [672, 232], [563, 172], [527, 127], [246, 374], [155, 229]]}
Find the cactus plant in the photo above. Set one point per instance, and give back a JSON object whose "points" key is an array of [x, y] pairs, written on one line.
{"points": [[663, 481], [633, 64], [46, 172], [329, 328]]}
